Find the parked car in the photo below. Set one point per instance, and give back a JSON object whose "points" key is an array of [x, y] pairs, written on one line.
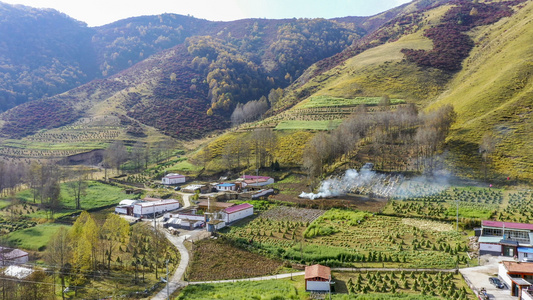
{"points": [[495, 281]]}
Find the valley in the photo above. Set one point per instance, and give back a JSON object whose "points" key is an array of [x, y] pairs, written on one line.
{"points": [[391, 154]]}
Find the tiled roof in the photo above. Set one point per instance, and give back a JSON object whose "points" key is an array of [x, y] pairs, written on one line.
{"points": [[508, 225], [518, 267], [226, 184], [319, 271], [237, 208]]}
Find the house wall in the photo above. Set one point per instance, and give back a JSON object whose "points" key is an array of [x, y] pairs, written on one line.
{"points": [[317, 285], [139, 210], [121, 210], [173, 180], [526, 295], [239, 215], [492, 249], [502, 273]]}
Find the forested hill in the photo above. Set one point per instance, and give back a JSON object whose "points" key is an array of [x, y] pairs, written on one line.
{"points": [[232, 62]]}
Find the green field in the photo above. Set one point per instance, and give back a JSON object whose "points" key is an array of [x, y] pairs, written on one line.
{"points": [[339, 239], [326, 101], [308, 125], [97, 195], [35, 238], [269, 289]]}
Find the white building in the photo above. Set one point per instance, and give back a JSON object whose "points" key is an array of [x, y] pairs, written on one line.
{"points": [[10, 256], [317, 278], [173, 178], [222, 187], [255, 181], [148, 209], [237, 212], [517, 276]]}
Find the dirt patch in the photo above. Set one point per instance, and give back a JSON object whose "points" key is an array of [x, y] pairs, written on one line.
{"points": [[351, 201]]}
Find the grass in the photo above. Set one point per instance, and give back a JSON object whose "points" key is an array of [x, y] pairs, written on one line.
{"points": [[97, 195], [268, 289], [326, 101], [308, 125], [35, 238]]}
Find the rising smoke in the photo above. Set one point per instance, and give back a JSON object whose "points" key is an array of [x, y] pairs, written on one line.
{"points": [[368, 182], [365, 182]]}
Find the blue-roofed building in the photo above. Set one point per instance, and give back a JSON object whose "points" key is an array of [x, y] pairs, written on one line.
{"points": [[222, 187]]}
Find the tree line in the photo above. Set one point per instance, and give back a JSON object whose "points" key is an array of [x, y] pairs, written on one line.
{"points": [[399, 140]]}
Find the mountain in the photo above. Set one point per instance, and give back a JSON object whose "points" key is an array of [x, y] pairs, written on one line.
{"points": [[475, 56], [176, 74]]}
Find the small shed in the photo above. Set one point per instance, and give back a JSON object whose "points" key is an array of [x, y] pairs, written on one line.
{"points": [[317, 278]]}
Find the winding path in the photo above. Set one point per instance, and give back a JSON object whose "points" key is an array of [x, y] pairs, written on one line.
{"points": [[175, 281]]}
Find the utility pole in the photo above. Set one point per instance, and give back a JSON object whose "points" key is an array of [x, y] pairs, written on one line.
{"points": [[457, 223], [168, 283]]}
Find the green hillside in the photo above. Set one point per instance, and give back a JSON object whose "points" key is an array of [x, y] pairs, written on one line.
{"points": [[493, 94]]}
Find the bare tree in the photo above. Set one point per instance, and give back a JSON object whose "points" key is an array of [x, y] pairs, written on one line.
{"points": [[486, 148], [78, 186]]}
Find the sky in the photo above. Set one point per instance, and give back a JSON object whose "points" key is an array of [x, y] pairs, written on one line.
{"points": [[101, 12]]}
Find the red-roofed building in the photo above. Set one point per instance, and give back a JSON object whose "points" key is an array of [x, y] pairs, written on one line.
{"points": [[317, 278], [517, 276], [255, 181], [507, 239], [238, 212]]}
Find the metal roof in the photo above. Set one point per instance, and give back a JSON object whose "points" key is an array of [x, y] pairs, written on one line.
{"points": [[490, 239], [237, 208], [507, 225], [525, 249]]}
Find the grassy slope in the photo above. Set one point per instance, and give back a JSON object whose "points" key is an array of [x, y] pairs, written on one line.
{"points": [[34, 238], [494, 94]]}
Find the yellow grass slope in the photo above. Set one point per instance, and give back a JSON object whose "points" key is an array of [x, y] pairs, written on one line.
{"points": [[494, 94]]}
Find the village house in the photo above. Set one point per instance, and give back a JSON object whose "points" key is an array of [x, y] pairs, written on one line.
{"points": [[173, 178], [125, 207], [224, 187], [154, 208], [506, 239], [317, 278], [518, 277], [10, 256], [255, 181], [237, 212]]}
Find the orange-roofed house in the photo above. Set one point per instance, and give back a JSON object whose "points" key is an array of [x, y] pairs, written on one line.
{"points": [[317, 278], [518, 276]]}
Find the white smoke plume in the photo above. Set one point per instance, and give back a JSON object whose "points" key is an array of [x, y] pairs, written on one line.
{"points": [[365, 182]]}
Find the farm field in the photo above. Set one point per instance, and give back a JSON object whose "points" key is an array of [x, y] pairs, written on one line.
{"points": [[218, 259], [352, 238], [268, 289], [426, 285], [474, 202], [327, 101], [308, 125]]}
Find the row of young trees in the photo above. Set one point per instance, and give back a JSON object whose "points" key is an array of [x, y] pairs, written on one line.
{"points": [[93, 249], [398, 140]]}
